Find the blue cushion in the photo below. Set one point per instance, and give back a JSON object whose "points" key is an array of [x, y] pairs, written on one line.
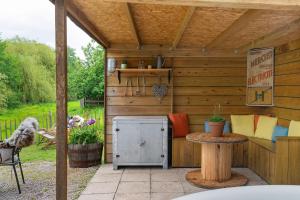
{"points": [[279, 131], [225, 130]]}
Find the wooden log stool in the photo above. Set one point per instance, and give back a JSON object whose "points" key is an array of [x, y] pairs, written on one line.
{"points": [[216, 159]]}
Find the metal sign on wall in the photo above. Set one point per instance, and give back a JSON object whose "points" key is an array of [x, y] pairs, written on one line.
{"points": [[260, 77]]}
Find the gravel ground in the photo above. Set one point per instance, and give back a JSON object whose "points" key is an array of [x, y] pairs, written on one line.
{"points": [[40, 181]]}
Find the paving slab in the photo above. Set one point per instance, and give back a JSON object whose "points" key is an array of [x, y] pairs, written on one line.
{"points": [[140, 176], [165, 176], [101, 188], [108, 169], [134, 187], [103, 178], [137, 170], [165, 196], [132, 196], [97, 197], [165, 187]]}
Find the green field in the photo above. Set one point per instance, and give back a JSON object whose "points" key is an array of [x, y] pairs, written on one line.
{"points": [[12, 118], [42, 109]]}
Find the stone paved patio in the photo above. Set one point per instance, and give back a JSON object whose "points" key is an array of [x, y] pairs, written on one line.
{"points": [[146, 183]]}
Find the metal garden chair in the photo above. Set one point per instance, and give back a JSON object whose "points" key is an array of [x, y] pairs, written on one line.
{"points": [[14, 161]]}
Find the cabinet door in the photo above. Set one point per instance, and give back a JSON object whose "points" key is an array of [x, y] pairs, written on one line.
{"points": [[128, 140], [151, 143]]}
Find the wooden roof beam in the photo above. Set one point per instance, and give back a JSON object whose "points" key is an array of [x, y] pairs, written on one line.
{"points": [[81, 20], [133, 25], [129, 50], [235, 27], [239, 4], [184, 24], [278, 33]]}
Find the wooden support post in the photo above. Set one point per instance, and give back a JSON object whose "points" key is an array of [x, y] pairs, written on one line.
{"points": [[104, 105], [61, 99]]}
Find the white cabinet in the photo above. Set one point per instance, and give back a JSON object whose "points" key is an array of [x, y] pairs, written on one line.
{"points": [[140, 140]]}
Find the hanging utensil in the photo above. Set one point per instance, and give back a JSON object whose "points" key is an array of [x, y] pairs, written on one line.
{"points": [[144, 86], [137, 92], [129, 84]]}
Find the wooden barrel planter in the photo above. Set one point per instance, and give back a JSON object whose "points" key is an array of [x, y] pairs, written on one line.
{"points": [[83, 156]]}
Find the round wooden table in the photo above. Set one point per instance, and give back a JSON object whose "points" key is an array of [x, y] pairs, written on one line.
{"points": [[216, 159]]}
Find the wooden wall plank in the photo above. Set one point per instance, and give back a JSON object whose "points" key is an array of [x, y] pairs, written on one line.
{"points": [[209, 71], [208, 81], [207, 91], [209, 100]]}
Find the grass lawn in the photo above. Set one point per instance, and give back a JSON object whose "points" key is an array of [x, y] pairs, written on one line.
{"points": [[36, 153], [44, 108]]}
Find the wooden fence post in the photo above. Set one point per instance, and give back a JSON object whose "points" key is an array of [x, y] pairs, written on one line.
{"points": [[50, 119], [5, 127], [61, 99], [0, 132]]}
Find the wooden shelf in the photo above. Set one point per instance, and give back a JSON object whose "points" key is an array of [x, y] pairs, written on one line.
{"points": [[144, 72]]}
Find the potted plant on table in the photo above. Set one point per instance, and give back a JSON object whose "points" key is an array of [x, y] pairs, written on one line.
{"points": [[85, 147], [216, 123]]}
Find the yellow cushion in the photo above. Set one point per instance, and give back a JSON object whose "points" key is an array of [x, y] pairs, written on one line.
{"points": [[265, 127], [243, 124], [294, 129]]}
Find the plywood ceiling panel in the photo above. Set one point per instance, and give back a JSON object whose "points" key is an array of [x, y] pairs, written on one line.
{"points": [[109, 18], [157, 24], [260, 26], [206, 24]]}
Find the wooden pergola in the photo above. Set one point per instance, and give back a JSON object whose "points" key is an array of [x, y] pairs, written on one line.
{"points": [[172, 28]]}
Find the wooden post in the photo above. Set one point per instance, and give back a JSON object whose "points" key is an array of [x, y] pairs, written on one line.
{"points": [[105, 103], [61, 99]]}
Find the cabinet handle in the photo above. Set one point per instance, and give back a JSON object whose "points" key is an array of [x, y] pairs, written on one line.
{"points": [[162, 129], [117, 129], [142, 143]]}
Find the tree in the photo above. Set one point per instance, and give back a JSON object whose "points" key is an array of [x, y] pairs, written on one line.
{"points": [[74, 65], [4, 91], [30, 70], [88, 80]]}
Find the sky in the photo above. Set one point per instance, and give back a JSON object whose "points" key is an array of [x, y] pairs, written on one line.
{"points": [[34, 20]]}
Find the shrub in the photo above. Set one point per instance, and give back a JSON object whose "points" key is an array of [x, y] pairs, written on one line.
{"points": [[85, 135]]}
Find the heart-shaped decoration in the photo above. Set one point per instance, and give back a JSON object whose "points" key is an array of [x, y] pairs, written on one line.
{"points": [[159, 90]]}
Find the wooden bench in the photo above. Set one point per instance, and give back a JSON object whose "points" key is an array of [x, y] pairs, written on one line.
{"points": [[277, 163]]}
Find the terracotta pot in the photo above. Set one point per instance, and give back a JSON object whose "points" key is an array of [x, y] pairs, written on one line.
{"points": [[216, 128]]}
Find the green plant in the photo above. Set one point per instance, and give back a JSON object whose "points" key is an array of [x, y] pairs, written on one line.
{"points": [[216, 117], [85, 135]]}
